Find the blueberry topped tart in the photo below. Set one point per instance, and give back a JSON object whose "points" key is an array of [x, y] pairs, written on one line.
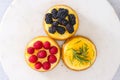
{"points": [[61, 22]]}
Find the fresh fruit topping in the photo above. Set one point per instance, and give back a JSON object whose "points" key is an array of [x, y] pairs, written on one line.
{"points": [[33, 59], [60, 30], [69, 28], [46, 65], [53, 50], [71, 18], [42, 54], [62, 13], [38, 65], [55, 24], [52, 29], [61, 21], [38, 45], [30, 50], [54, 13], [46, 45], [64, 22], [60, 9], [52, 59], [48, 18]]}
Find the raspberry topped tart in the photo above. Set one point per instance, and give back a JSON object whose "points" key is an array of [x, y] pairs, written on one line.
{"points": [[42, 53], [78, 53], [61, 22]]}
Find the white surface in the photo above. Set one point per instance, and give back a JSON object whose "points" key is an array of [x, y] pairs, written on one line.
{"points": [[3, 6], [102, 28]]}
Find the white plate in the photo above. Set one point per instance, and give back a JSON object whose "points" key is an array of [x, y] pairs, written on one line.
{"points": [[23, 21]]}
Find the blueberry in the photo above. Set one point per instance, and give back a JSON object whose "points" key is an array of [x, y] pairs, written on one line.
{"points": [[64, 22], [48, 18], [70, 28], [54, 13], [60, 21], [72, 19], [60, 9], [62, 13], [52, 29], [60, 30], [55, 23]]}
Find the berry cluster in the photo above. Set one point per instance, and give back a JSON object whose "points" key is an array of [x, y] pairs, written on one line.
{"points": [[41, 49], [60, 21]]}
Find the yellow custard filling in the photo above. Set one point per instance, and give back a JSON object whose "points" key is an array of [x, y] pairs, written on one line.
{"points": [[66, 35], [78, 53]]}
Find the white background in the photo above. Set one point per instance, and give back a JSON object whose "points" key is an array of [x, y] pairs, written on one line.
{"points": [[5, 3]]}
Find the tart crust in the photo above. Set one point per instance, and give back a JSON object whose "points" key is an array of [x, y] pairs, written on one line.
{"points": [[69, 43], [43, 39], [66, 35]]}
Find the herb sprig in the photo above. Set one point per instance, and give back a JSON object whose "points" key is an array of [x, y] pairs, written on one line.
{"points": [[81, 54]]}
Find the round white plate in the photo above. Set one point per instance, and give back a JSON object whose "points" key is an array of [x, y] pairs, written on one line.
{"points": [[23, 21]]}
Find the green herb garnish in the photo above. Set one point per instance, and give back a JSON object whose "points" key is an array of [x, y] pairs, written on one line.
{"points": [[77, 41], [81, 54]]}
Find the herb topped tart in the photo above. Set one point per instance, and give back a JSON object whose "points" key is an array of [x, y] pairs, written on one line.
{"points": [[78, 53], [42, 53], [61, 22]]}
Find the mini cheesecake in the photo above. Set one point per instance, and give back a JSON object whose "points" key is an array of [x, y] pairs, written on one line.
{"points": [[61, 22], [78, 53], [42, 54]]}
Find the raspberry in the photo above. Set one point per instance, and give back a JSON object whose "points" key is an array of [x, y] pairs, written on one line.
{"points": [[38, 45], [46, 65], [52, 59], [53, 50], [46, 45], [42, 54], [38, 65], [30, 50], [33, 59]]}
